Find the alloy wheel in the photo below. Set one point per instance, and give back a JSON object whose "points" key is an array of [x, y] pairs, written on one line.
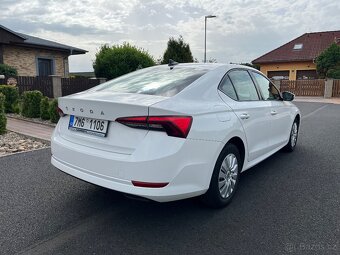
{"points": [[228, 175], [294, 135]]}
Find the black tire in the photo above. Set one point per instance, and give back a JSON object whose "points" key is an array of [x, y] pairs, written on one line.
{"points": [[213, 196], [290, 146]]}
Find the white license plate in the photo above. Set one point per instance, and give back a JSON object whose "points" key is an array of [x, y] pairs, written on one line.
{"points": [[88, 125]]}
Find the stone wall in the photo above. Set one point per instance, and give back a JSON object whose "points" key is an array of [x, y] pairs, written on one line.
{"points": [[24, 60]]}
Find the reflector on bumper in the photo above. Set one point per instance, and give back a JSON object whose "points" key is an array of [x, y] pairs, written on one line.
{"points": [[149, 184]]}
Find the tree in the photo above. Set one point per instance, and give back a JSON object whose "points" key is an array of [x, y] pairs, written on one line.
{"points": [[8, 70], [117, 60], [328, 62], [334, 73], [178, 51]]}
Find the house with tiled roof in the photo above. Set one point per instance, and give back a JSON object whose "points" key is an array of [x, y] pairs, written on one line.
{"points": [[295, 60], [33, 56]]}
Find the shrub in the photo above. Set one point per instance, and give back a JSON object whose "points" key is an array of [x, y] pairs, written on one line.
{"points": [[12, 94], [54, 115], [44, 109], [334, 73], [3, 120], [2, 102], [3, 123], [8, 70], [16, 107], [31, 103]]}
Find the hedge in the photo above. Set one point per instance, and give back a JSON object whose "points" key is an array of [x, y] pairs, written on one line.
{"points": [[31, 103], [17, 107], [44, 109], [12, 94], [2, 103], [54, 115], [3, 120]]}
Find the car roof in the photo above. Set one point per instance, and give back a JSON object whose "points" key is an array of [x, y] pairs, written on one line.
{"points": [[211, 66]]}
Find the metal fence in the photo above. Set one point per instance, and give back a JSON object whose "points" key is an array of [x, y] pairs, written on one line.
{"points": [[27, 83], [75, 85], [304, 87]]}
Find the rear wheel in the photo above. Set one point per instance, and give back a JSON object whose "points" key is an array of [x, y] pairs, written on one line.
{"points": [[294, 133], [225, 178]]}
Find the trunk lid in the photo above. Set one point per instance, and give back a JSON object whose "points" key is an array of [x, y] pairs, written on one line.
{"points": [[106, 105]]}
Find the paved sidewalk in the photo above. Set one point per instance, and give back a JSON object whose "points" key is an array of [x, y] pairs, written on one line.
{"points": [[29, 128], [333, 100]]}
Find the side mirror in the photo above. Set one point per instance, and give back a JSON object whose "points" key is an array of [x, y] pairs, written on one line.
{"points": [[287, 96]]}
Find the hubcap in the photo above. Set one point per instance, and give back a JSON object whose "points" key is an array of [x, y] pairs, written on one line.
{"points": [[228, 175], [294, 135]]}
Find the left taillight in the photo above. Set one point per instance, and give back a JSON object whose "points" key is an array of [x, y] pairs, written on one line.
{"points": [[60, 112], [177, 126]]}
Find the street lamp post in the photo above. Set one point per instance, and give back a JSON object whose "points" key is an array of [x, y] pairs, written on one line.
{"points": [[205, 35]]}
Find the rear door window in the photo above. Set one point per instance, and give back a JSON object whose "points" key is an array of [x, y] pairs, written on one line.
{"points": [[244, 85]]}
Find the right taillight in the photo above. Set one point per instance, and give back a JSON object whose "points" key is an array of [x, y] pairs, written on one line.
{"points": [[60, 112], [177, 126]]}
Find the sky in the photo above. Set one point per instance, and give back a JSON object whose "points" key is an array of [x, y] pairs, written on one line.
{"points": [[242, 31]]}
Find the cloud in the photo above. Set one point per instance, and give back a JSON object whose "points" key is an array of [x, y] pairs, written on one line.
{"points": [[242, 31]]}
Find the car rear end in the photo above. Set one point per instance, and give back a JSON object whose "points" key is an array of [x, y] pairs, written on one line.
{"points": [[108, 137]]}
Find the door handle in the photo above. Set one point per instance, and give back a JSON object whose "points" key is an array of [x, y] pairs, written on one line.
{"points": [[273, 112], [244, 116]]}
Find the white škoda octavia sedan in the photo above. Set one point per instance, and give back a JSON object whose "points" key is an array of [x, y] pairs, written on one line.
{"points": [[173, 132]]}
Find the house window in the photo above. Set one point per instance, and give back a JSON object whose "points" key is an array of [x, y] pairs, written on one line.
{"points": [[278, 75], [45, 66], [65, 61], [298, 46], [306, 74]]}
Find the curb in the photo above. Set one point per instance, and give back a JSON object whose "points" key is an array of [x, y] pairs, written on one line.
{"points": [[335, 100], [21, 152], [32, 137], [31, 121]]}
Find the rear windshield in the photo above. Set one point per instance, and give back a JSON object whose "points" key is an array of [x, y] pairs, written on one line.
{"points": [[160, 80]]}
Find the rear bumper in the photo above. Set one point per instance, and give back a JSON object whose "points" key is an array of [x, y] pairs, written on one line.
{"points": [[186, 165]]}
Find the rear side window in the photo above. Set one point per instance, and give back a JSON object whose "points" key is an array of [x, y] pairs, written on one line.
{"points": [[160, 80], [227, 88], [244, 86]]}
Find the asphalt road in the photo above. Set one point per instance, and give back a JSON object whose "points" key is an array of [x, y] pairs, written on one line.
{"points": [[288, 204]]}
